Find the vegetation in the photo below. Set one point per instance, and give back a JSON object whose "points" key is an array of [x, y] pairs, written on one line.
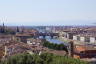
{"points": [[55, 46], [45, 58], [9, 31]]}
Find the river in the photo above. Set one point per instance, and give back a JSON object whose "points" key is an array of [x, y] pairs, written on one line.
{"points": [[55, 40]]}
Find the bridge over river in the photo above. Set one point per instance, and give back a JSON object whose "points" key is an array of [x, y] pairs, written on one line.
{"points": [[44, 35]]}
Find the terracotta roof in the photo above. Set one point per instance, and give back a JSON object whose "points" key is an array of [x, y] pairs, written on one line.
{"points": [[80, 48], [18, 35]]}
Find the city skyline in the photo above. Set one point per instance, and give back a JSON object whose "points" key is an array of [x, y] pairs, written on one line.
{"points": [[49, 12]]}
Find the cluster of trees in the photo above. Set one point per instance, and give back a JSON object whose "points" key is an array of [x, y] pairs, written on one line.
{"points": [[9, 31], [55, 46], [45, 58]]}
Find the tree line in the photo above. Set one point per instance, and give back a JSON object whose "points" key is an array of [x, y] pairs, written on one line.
{"points": [[45, 58], [55, 46]]}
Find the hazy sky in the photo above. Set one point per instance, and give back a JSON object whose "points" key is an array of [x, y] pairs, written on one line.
{"points": [[48, 12]]}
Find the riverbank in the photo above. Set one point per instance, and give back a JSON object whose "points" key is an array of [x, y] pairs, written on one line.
{"points": [[66, 40], [54, 46]]}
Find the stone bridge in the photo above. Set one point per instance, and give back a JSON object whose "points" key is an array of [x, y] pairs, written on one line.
{"points": [[52, 35]]}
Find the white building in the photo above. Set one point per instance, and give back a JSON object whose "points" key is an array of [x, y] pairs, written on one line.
{"points": [[92, 40], [74, 37], [33, 41], [82, 39]]}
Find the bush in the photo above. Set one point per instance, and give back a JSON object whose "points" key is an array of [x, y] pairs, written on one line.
{"points": [[44, 58]]}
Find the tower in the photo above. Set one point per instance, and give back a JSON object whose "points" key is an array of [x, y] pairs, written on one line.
{"points": [[17, 29], [2, 28]]}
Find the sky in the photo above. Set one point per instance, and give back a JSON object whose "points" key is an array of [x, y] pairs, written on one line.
{"points": [[48, 12]]}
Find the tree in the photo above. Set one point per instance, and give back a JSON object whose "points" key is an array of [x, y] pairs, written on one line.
{"points": [[45, 58], [55, 46]]}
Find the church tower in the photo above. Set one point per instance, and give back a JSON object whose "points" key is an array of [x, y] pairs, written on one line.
{"points": [[3, 28], [17, 29]]}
